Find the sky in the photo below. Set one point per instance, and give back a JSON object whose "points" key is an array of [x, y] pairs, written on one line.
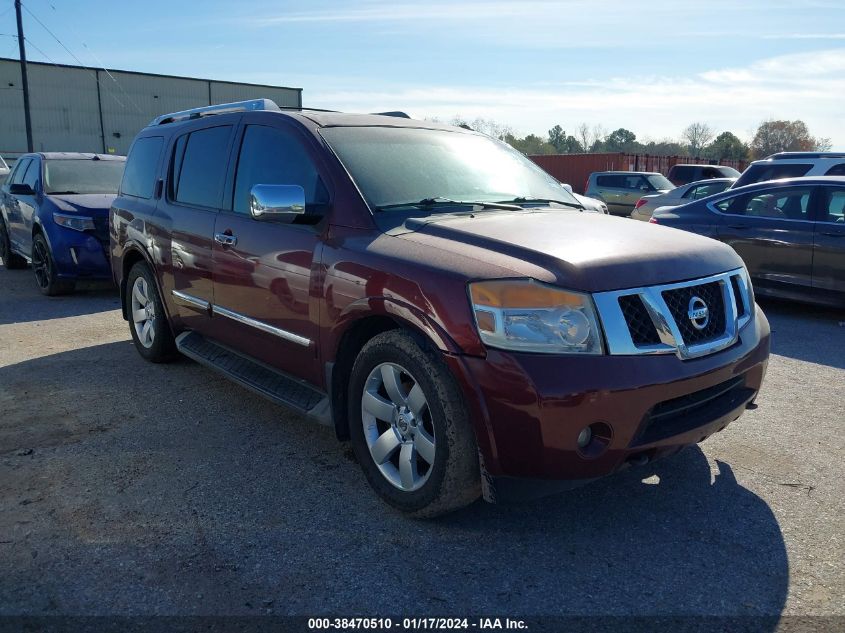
{"points": [[652, 67]]}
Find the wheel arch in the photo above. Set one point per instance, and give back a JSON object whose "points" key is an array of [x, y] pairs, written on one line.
{"points": [[132, 254], [356, 330]]}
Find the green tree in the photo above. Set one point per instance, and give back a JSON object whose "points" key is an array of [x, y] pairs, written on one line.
{"points": [[620, 140], [727, 146], [784, 136], [531, 144], [564, 143]]}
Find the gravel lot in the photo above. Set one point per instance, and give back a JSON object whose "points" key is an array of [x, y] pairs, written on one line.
{"points": [[131, 488]]}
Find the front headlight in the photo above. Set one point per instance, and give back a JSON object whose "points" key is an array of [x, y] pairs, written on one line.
{"points": [[75, 222], [526, 315]]}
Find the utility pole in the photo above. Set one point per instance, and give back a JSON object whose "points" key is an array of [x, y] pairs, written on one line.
{"points": [[24, 81]]}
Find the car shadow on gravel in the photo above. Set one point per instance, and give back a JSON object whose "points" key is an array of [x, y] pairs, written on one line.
{"points": [[21, 300], [806, 332], [134, 488]]}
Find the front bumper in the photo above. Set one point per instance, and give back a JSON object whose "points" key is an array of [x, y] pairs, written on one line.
{"points": [[528, 409], [78, 255]]}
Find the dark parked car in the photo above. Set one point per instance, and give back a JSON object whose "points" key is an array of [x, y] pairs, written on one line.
{"points": [[790, 234], [54, 214], [431, 294], [685, 174]]}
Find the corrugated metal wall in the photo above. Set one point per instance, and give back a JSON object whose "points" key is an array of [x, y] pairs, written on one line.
{"points": [[68, 104], [574, 169]]}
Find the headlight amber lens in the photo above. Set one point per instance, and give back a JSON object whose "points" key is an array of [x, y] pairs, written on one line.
{"points": [[527, 315]]}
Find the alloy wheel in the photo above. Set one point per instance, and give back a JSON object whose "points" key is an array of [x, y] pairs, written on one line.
{"points": [[41, 264], [143, 312], [397, 426]]}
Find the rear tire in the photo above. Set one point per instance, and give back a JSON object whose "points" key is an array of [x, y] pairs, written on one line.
{"points": [[147, 318], [423, 460], [44, 267], [10, 260]]}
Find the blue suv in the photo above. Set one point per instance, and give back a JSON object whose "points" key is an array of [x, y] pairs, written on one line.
{"points": [[54, 215]]}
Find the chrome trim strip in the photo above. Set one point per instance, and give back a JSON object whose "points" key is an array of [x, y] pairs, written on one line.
{"points": [[618, 335], [190, 301], [260, 325]]}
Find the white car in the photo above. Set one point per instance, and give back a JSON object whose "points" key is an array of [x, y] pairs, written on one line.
{"points": [[4, 170], [680, 195], [591, 205]]}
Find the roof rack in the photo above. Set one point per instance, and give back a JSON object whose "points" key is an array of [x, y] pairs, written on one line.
{"points": [[223, 108], [396, 113], [791, 155]]}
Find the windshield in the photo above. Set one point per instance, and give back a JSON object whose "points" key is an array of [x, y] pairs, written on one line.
{"points": [[659, 182], [82, 176], [403, 166]]}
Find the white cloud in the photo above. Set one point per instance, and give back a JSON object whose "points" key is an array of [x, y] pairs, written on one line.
{"points": [[805, 86]]}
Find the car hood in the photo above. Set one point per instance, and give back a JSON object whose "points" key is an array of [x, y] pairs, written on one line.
{"points": [[579, 251], [93, 204]]}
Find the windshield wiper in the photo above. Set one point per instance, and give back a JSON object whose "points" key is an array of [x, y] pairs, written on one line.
{"points": [[431, 202], [523, 200]]}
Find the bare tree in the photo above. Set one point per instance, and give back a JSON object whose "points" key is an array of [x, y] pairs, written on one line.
{"points": [[588, 137], [697, 135]]}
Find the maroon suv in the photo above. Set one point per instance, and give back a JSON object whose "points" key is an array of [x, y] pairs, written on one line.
{"points": [[433, 295]]}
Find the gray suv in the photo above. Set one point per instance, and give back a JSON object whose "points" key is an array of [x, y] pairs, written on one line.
{"points": [[620, 190]]}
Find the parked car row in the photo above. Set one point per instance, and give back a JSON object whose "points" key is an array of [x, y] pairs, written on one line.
{"points": [[790, 233]]}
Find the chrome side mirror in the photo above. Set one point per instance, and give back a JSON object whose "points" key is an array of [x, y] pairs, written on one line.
{"points": [[276, 202]]}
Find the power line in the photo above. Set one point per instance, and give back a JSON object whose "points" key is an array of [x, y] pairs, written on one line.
{"points": [[79, 61], [99, 61]]}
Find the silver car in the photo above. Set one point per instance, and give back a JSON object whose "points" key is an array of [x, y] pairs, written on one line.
{"points": [[591, 205], [4, 170], [681, 195], [620, 190]]}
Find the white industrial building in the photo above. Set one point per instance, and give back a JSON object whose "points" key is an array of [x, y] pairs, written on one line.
{"points": [[79, 109]]}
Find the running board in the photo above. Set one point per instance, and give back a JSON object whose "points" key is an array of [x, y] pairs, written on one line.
{"points": [[277, 386]]}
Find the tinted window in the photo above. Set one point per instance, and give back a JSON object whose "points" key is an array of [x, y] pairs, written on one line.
{"points": [[682, 173], [33, 174], [658, 181], [789, 204], [771, 171], [82, 176], [614, 181], [833, 207], [401, 166], [20, 170], [139, 174], [702, 191], [270, 156], [201, 170], [836, 170]]}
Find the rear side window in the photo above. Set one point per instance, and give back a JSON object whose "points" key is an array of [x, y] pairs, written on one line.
{"points": [[702, 191], [836, 170], [833, 206], [270, 156], [771, 171], [784, 204], [20, 170], [33, 173], [615, 181], [199, 167], [682, 173], [140, 173]]}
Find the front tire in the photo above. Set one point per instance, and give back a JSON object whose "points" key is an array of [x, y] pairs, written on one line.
{"points": [[409, 428], [44, 267], [10, 260], [147, 318]]}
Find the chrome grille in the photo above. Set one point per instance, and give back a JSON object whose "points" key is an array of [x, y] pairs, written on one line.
{"points": [[660, 319], [639, 323], [678, 302]]}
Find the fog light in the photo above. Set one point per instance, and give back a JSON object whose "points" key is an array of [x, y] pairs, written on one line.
{"points": [[584, 437]]}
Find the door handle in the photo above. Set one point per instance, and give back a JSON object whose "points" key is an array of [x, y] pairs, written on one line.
{"points": [[225, 239], [832, 234]]}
